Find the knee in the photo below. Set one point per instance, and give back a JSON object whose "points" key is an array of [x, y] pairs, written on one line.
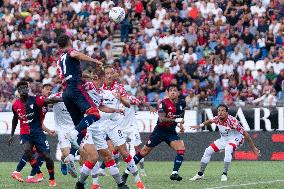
{"points": [[181, 152], [93, 112], [28, 153], [209, 151]]}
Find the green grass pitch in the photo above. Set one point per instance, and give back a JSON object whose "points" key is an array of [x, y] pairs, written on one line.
{"points": [[243, 174]]}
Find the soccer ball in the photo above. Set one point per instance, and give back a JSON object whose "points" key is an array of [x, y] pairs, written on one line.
{"points": [[117, 14]]}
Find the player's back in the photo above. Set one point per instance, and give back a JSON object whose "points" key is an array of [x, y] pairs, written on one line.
{"points": [[29, 114], [69, 68]]}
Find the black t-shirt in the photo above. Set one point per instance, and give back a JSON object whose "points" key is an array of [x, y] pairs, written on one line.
{"points": [[247, 38]]}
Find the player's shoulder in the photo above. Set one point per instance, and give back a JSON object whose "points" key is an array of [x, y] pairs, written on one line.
{"points": [[16, 102]]}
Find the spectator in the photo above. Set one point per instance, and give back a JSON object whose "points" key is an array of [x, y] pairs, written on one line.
{"points": [[192, 100]]}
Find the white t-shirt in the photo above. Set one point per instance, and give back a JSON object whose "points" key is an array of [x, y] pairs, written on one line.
{"points": [[62, 119]]}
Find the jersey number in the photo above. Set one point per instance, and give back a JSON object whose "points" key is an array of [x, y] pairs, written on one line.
{"points": [[63, 59]]}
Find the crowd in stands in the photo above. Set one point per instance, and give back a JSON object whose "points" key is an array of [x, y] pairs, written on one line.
{"points": [[229, 51]]}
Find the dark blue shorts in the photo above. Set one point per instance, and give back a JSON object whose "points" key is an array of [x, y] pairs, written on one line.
{"points": [[77, 101], [37, 140], [161, 135]]}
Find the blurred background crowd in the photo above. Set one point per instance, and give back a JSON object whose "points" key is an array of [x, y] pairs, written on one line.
{"points": [[229, 51]]}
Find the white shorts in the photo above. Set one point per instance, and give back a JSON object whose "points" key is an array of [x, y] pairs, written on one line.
{"points": [[132, 134], [97, 132], [62, 140], [221, 143]]}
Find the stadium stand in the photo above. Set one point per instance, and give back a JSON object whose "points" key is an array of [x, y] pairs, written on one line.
{"points": [[215, 50]]}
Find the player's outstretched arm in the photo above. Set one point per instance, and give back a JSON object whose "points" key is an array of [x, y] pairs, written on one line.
{"points": [[251, 144], [110, 110], [14, 126], [83, 57], [205, 123]]}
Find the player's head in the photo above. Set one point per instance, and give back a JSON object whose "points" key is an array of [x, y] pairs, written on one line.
{"points": [[109, 74], [172, 92], [46, 90], [222, 111], [98, 76], [63, 41], [23, 88]]}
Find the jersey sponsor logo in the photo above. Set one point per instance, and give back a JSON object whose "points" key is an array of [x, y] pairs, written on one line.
{"points": [[32, 106]]}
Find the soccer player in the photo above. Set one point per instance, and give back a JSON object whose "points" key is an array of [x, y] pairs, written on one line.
{"points": [[46, 91], [63, 125], [75, 98], [232, 136], [28, 110], [171, 113], [95, 138], [114, 95], [129, 127]]}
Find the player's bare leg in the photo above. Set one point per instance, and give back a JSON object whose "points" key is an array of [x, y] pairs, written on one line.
{"points": [[131, 165], [50, 167], [179, 147], [205, 160], [137, 158], [65, 152], [111, 166], [92, 157], [141, 163]]}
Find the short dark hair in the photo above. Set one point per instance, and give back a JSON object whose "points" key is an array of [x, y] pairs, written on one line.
{"points": [[22, 83], [47, 85], [99, 72], [224, 106], [171, 86], [63, 40]]}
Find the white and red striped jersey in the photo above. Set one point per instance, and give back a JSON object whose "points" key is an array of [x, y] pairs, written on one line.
{"points": [[62, 117], [96, 94], [230, 127]]}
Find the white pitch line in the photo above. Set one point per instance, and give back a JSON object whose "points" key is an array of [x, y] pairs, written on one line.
{"points": [[247, 184]]}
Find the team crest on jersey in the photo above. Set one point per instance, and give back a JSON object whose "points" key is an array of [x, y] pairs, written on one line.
{"points": [[170, 108], [32, 106]]}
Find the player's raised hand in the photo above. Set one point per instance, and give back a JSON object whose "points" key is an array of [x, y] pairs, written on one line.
{"points": [[10, 140], [195, 127]]}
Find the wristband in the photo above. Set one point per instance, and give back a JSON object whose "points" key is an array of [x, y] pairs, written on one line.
{"points": [[178, 120]]}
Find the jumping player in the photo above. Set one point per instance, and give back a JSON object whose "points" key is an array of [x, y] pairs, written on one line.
{"points": [[28, 109], [46, 91], [232, 136], [171, 113], [75, 98]]}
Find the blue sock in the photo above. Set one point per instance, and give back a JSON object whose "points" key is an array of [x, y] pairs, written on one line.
{"points": [[103, 165], [178, 161], [40, 161], [86, 122], [22, 163]]}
